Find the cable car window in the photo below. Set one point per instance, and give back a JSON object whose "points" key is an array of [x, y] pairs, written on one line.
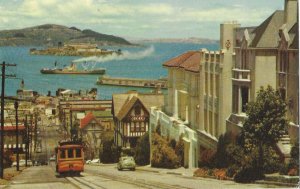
{"points": [[70, 153], [78, 152], [62, 154]]}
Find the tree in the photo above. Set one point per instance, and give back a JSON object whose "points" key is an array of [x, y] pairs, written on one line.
{"points": [[142, 151], [265, 123]]}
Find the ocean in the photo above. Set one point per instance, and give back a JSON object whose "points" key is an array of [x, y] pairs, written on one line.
{"points": [[144, 61]]}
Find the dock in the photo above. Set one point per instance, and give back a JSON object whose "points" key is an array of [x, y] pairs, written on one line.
{"points": [[133, 82]]}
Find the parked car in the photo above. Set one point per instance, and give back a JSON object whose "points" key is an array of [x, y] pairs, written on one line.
{"points": [[95, 161], [52, 158], [88, 161], [22, 163], [126, 162]]}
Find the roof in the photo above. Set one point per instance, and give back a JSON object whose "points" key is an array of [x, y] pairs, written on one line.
{"points": [[294, 35], [266, 35], [87, 119], [13, 128], [189, 61], [122, 102], [175, 62], [127, 107], [192, 63]]}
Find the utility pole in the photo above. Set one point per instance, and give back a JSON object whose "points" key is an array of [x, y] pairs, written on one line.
{"points": [[2, 116], [27, 140], [35, 130], [17, 133], [31, 125]]}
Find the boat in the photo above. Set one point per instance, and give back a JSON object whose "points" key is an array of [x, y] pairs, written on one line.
{"points": [[72, 69]]}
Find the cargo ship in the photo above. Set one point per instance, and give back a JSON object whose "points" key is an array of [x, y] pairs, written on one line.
{"points": [[72, 69]]}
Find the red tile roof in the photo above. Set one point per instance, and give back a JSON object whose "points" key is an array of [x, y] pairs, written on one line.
{"points": [[86, 120], [175, 62], [189, 61]]}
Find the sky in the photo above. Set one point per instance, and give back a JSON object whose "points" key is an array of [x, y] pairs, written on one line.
{"points": [[138, 18]]}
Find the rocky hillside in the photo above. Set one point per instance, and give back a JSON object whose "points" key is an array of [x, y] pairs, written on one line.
{"points": [[50, 34]]}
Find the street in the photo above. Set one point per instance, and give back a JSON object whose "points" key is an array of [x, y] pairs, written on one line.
{"points": [[108, 177]]}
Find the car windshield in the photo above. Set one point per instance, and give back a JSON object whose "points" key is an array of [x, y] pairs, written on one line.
{"points": [[127, 158]]}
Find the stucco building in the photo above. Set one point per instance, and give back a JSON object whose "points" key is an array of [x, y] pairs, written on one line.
{"points": [[268, 55], [208, 90]]}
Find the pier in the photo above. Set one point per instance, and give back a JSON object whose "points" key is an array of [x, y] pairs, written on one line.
{"points": [[133, 82]]}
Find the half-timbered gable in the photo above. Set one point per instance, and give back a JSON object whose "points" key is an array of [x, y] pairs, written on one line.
{"points": [[131, 116]]}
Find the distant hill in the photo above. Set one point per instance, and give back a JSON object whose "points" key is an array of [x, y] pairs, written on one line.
{"points": [[51, 34], [177, 40]]}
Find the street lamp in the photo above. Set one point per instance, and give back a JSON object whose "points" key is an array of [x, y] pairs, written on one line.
{"points": [[17, 133]]}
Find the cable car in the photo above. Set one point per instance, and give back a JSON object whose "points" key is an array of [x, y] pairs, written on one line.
{"points": [[69, 157]]}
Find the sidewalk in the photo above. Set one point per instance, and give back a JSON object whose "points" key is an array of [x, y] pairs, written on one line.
{"points": [[274, 179], [179, 171], [9, 173]]}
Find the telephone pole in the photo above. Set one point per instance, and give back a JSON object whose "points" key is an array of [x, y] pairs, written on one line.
{"points": [[2, 116], [17, 133]]}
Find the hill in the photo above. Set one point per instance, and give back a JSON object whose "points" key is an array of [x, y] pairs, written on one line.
{"points": [[51, 34], [176, 40]]}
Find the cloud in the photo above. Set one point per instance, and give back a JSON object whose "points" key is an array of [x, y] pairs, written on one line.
{"points": [[134, 17]]}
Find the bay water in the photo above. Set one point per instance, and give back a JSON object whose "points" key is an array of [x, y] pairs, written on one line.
{"points": [[144, 61]]}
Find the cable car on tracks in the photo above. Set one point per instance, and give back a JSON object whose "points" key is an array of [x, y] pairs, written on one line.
{"points": [[69, 157]]}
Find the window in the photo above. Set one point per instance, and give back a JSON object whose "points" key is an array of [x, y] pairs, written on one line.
{"points": [[137, 110], [132, 127], [78, 152], [244, 59], [217, 85], [245, 97], [137, 126], [62, 154], [70, 153], [282, 93], [142, 126], [211, 84], [283, 61], [206, 83]]}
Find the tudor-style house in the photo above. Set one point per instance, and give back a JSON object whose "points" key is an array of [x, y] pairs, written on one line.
{"points": [[131, 115]]}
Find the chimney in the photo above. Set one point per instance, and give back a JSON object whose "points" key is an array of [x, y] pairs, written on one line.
{"points": [[290, 12]]}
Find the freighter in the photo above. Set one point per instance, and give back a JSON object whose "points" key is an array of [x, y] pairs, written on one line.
{"points": [[72, 69]]}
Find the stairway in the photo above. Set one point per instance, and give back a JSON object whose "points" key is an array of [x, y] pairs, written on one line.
{"points": [[284, 146]]}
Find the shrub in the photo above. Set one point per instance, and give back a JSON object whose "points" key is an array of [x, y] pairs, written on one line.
{"points": [[142, 150], [163, 155], [236, 155], [220, 174], [231, 171], [248, 174], [284, 169], [221, 156], [172, 143], [179, 151], [158, 128], [207, 158], [271, 160], [201, 172], [110, 153]]}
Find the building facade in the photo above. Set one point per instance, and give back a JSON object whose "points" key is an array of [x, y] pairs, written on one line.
{"points": [[131, 116], [267, 55]]}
